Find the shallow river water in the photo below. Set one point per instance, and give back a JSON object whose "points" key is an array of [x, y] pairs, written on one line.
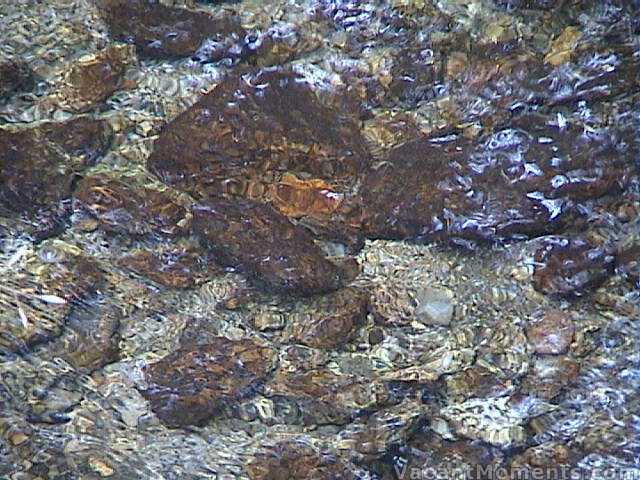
{"points": [[319, 239]]}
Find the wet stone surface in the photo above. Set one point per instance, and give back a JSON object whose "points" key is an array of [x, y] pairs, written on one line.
{"points": [[40, 163], [92, 80], [266, 245], [15, 76], [242, 138], [189, 386], [525, 180], [570, 266], [297, 461], [160, 31], [128, 204], [318, 239]]}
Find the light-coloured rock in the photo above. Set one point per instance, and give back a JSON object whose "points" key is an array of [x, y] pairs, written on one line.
{"points": [[435, 306]]}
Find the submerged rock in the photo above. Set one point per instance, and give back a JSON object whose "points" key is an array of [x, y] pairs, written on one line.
{"points": [[326, 397], [36, 305], [244, 137], [191, 385], [525, 180], [91, 339], [15, 75], [552, 334], [435, 306], [266, 245], [332, 321], [571, 266], [128, 204], [174, 267], [93, 79], [549, 376], [39, 164], [296, 460], [160, 31]]}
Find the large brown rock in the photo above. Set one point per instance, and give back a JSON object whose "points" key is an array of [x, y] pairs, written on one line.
{"points": [[91, 80], [260, 135], [190, 385], [160, 31], [39, 164], [525, 180], [266, 245], [173, 267]]}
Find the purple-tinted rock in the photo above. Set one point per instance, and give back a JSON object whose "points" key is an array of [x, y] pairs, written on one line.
{"points": [[569, 267], [190, 385], [39, 165], [266, 245], [160, 31], [525, 180], [552, 334]]}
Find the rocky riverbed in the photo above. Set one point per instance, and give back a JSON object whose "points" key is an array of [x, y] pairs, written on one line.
{"points": [[319, 239]]}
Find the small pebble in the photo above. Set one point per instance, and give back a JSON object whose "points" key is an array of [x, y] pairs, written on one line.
{"points": [[435, 306]]}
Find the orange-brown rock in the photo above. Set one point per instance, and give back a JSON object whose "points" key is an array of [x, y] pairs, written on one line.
{"points": [[262, 242], [332, 321], [191, 385], [301, 198], [161, 31], [128, 205], [39, 164], [92, 80], [242, 139], [297, 460], [551, 334]]}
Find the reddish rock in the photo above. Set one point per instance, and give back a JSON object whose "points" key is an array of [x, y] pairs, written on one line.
{"points": [[91, 81], [292, 460], [160, 31], [332, 321], [551, 334], [266, 245], [39, 165], [190, 385], [15, 75], [550, 376], [174, 267], [242, 138], [125, 204], [525, 180], [569, 267]]}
